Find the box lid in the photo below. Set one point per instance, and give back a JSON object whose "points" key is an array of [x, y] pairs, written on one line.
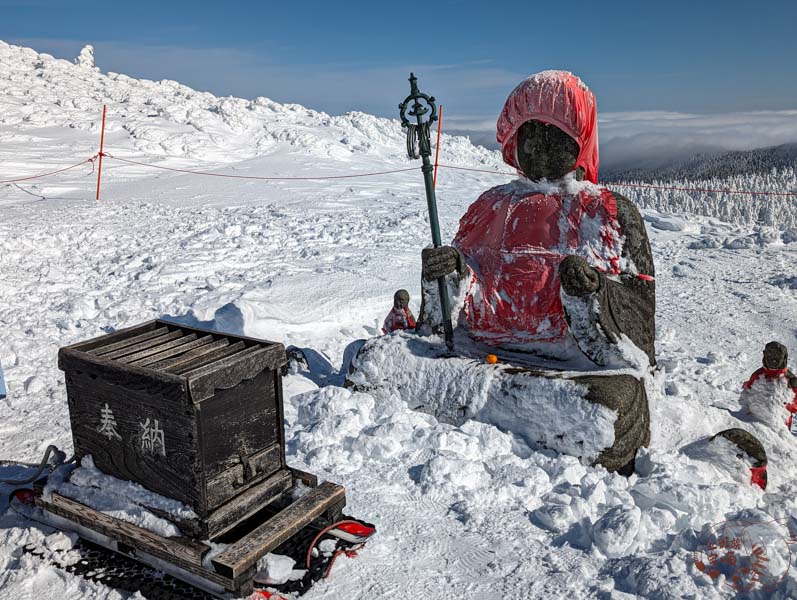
{"points": [[202, 360]]}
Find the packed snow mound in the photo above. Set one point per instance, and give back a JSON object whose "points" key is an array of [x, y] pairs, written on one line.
{"points": [[169, 119], [403, 462], [725, 455], [552, 413]]}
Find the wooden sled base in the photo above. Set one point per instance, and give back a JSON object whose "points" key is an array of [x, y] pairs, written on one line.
{"points": [[228, 574]]}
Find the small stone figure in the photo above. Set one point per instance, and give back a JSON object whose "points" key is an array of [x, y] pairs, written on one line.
{"points": [[400, 316], [750, 451], [772, 388]]}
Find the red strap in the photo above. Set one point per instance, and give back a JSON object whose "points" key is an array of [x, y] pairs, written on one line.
{"points": [[753, 378], [773, 373], [616, 271], [768, 374], [759, 476], [26, 496], [269, 595]]}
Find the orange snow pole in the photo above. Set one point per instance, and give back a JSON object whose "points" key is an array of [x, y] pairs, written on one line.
{"points": [[437, 146], [102, 146]]}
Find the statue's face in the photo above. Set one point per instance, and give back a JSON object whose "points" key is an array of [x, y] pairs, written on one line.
{"points": [[544, 151], [775, 356], [401, 299]]}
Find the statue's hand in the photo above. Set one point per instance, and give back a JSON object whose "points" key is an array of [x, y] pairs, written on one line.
{"points": [[578, 277], [439, 262]]}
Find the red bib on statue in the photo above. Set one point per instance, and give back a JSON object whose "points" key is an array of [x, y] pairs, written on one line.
{"points": [[515, 237]]}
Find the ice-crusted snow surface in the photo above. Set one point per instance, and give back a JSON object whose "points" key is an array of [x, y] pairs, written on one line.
{"points": [[463, 511]]}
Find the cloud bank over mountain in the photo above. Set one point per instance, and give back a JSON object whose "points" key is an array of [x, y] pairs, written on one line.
{"points": [[655, 138]]}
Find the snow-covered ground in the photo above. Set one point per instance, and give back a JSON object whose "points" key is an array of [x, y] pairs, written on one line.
{"points": [[462, 512]]}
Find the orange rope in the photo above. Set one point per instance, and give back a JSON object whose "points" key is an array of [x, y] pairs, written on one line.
{"points": [[40, 175], [102, 146], [444, 166], [205, 173]]}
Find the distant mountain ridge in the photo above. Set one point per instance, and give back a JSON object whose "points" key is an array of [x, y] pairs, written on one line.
{"points": [[705, 166], [168, 119]]}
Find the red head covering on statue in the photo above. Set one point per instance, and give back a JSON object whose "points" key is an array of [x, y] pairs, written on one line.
{"points": [[559, 98]]}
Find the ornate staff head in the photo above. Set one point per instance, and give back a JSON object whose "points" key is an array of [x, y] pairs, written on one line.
{"points": [[422, 104]]}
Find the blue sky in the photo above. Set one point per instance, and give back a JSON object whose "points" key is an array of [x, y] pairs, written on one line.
{"points": [[696, 56]]}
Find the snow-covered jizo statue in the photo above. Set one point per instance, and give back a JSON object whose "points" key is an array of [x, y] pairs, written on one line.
{"points": [[740, 453], [770, 395], [551, 263], [553, 270], [400, 316]]}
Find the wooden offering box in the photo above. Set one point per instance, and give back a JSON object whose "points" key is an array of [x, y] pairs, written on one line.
{"points": [[191, 414]]}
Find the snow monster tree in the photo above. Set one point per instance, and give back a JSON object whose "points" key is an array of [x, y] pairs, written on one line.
{"points": [[552, 273]]}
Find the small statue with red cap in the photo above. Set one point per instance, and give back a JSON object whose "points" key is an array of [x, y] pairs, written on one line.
{"points": [[770, 395], [400, 316]]}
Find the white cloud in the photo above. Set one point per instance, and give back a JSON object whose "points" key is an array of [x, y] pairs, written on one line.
{"points": [[647, 138]]}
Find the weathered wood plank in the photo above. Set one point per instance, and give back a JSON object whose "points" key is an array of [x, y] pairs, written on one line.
{"points": [[182, 548], [244, 553], [206, 359], [128, 341], [110, 338], [180, 552], [231, 513], [169, 386], [156, 350], [221, 364], [229, 371], [180, 350], [157, 341], [240, 420], [277, 387], [250, 341], [172, 365]]}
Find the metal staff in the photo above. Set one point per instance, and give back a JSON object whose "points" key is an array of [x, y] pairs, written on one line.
{"points": [[419, 146]]}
